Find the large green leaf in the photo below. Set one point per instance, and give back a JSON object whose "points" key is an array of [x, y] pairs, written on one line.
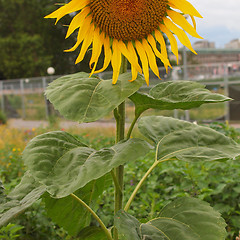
{"points": [[63, 164], [128, 226], [69, 213], [184, 218], [175, 95], [176, 139], [80, 98], [92, 233], [23, 196]]}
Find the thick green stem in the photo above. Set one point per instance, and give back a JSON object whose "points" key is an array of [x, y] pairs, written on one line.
{"points": [[108, 234], [119, 114], [116, 184]]}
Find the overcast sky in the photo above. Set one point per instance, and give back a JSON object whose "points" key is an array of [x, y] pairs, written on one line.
{"points": [[221, 20]]}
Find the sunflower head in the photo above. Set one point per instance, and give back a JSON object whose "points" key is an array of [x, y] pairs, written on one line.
{"points": [[130, 28]]}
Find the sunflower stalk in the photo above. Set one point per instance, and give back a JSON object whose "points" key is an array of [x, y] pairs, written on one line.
{"points": [[120, 134]]}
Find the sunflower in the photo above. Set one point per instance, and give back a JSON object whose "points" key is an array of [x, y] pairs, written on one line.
{"points": [[130, 28]]}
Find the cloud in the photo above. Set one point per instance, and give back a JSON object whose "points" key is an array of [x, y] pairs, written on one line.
{"points": [[219, 13], [220, 21]]}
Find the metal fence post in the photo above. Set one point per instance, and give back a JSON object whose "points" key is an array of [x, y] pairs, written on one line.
{"points": [[23, 98], [44, 84], [2, 96], [226, 92]]}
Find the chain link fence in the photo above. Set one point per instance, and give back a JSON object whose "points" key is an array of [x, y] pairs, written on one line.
{"points": [[24, 98]]}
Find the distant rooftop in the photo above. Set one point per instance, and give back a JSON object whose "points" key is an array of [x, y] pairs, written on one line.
{"points": [[214, 50]]}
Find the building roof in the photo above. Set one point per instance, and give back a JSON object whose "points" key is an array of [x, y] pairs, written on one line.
{"points": [[214, 50]]}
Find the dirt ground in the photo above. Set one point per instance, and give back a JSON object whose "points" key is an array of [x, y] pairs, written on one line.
{"points": [[25, 124]]}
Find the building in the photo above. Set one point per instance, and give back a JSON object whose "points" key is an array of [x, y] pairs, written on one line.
{"points": [[204, 44], [234, 44]]}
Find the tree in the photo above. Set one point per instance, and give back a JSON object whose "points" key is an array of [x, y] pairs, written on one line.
{"points": [[29, 44]]}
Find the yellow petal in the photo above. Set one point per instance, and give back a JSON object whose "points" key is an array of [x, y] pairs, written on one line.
{"points": [[194, 22], [185, 7], [144, 60], [160, 39], [82, 32], [86, 43], [180, 20], [96, 50], [97, 47], [107, 54], [77, 21], [72, 6], [134, 73], [128, 55], [172, 40], [132, 51], [183, 38], [165, 60], [151, 57], [93, 69], [116, 61]]}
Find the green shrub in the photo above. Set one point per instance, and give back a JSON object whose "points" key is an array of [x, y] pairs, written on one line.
{"points": [[10, 232], [3, 118]]}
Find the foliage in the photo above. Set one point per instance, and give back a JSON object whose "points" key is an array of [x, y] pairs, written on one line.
{"points": [[175, 219], [70, 175], [169, 181], [26, 47], [227, 130], [10, 232], [36, 225], [23, 56], [3, 118], [98, 97]]}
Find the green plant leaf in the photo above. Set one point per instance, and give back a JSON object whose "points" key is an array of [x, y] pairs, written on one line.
{"points": [[181, 140], [128, 226], [92, 233], [23, 196], [2, 193], [175, 95], [69, 213], [184, 218], [63, 164], [80, 98]]}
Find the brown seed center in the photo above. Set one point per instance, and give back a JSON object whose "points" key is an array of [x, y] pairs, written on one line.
{"points": [[128, 19]]}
